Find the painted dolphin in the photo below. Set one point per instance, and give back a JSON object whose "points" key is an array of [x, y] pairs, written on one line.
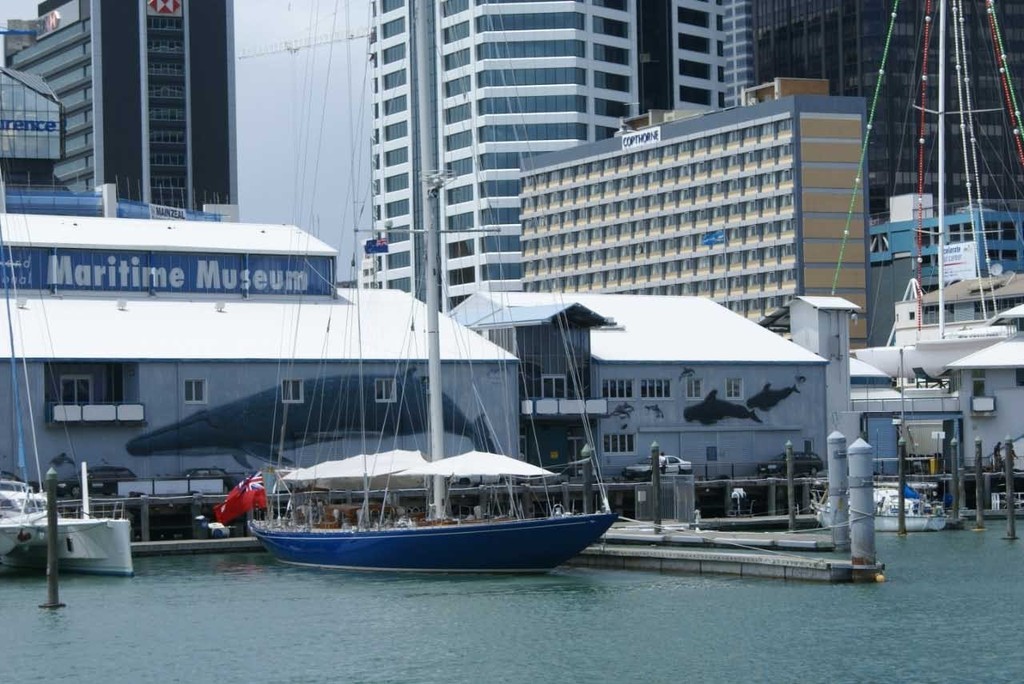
{"points": [[330, 410], [713, 409], [768, 397]]}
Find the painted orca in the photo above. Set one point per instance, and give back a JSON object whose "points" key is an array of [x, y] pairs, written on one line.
{"points": [[768, 398], [713, 409]]}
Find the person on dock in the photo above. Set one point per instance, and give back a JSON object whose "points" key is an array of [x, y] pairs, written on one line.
{"points": [[662, 462], [997, 457]]}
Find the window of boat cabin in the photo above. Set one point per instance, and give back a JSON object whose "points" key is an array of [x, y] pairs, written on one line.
{"points": [[291, 391], [384, 390], [195, 391], [75, 389]]}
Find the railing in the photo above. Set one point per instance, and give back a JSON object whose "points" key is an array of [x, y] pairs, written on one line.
{"points": [[564, 407], [96, 413]]}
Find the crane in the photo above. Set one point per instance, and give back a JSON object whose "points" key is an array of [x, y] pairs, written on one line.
{"points": [[294, 46]]}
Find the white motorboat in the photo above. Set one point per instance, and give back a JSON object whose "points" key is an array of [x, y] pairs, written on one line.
{"points": [[920, 514]]}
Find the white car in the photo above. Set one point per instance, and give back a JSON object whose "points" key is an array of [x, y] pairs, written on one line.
{"points": [[641, 470]]}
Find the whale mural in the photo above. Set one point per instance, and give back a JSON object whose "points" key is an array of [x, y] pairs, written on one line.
{"points": [[712, 409], [330, 411], [767, 398]]}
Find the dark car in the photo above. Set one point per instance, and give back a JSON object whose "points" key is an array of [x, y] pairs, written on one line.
{"points": [[227, 478], [103, 481], [641, 470], [805, 463]]}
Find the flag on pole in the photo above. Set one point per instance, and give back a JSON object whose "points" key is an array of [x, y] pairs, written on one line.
{"points": [[247, 495]]}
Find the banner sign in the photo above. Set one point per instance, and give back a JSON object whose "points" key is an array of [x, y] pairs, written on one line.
{"points": [[157, 211], [376, 246], [648, 136], [36, 268], [959, 262]]}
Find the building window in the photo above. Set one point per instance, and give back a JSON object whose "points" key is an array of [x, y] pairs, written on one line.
{"points": [[195, 391], [291, 392], [552, 386], [619, 443], [393, 28], [384, 390], [978, 383], [617, 389], [734, 388], [694, 388], [75, 389], [1020, 377], [657, 388]]}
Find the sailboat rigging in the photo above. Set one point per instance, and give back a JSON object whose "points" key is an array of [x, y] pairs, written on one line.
{"points": [[439, 543]]}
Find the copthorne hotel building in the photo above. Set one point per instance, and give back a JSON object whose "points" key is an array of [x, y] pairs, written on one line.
{"points": [[747, 206]]}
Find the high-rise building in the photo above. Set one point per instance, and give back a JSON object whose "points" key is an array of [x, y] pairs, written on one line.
{"points": [[751, 207], [148, 93], [506, 81], [844, 40]]}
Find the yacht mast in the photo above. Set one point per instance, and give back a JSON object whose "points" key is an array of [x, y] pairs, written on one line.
{"points": [[942, 168], [432, 182]]}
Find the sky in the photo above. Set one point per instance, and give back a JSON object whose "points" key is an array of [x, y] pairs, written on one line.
{"points": [[303, 119]]}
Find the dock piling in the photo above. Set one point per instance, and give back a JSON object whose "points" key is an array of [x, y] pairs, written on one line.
{"points": [[790, 487], [862, 511], [979, 488], [52, 583], [1011, 512], [838, 488], [656, 485], [901, 519], [954, 469]]}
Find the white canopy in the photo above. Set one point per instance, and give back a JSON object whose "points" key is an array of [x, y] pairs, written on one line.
{"points": [[348, 472], [479, 463]]}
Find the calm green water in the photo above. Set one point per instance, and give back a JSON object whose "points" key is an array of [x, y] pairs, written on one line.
{"points": [[951, 611]]}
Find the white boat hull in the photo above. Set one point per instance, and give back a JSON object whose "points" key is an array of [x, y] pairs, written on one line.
{"points": [[913, 523], [97, 546]]}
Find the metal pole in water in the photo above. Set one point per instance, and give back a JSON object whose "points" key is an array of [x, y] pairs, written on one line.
{"points": [[838, 490], [1011, 512], [979, 488], [862, 510], [790, 489], [52, 588], [656, 486], [901, 525], [954, 469]]}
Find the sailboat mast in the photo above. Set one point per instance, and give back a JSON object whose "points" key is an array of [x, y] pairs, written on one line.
{"points": [[432, 183], [942, 168]]}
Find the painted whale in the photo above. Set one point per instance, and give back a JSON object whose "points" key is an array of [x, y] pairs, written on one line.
{"points": [[713, 409], [330, 410], [768, 397]]}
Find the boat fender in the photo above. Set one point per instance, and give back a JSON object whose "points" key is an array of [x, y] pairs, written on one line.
{"points": [[557, 511], [24, 536]]}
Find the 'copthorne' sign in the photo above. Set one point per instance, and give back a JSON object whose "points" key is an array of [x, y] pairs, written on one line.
{"points": [[648, 136], [28, 125], [117, 271]]}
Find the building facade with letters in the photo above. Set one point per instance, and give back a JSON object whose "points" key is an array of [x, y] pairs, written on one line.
{"points": [[750, 207], [31, 124]]}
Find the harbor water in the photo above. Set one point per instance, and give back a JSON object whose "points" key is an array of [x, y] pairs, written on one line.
{"points": [[950, 610]]}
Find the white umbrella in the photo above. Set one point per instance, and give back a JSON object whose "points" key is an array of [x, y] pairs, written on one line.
{"points": [[349, 472], [479, 463]]}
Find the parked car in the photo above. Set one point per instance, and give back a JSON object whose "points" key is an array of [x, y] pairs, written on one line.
{"points": [[641, 470], [212, 473], [805, 463], [103, 481]]}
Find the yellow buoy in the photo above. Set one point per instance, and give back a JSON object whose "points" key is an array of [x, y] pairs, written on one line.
{"points": [[879, 578]]}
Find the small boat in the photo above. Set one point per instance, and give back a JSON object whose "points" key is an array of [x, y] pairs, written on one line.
{"points": [[920, 514]]}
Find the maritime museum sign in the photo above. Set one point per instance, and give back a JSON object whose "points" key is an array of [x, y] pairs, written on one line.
{"points": [[155, 272]]}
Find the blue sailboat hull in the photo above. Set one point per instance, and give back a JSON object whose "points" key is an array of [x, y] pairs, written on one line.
{"points": [[519, 546]]}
